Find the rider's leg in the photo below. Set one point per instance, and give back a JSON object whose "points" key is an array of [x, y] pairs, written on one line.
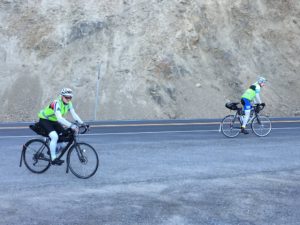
{"points": [[247, 109], [59, 129], [246, 118], [54, 138], [52, 129]]}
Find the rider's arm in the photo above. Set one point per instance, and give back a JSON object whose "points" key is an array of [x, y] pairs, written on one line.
{"points": [[75, 116], [257, 99], [62, 120]]}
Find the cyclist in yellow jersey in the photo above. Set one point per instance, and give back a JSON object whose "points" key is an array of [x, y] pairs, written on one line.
{"points": [[251, 94], [51, 119]]}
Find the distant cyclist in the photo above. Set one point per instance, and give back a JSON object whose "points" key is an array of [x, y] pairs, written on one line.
{"points": [[51, 119], [251, 94]]}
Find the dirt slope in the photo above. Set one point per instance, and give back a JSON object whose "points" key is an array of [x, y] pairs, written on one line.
{"points": [[159, 58]]}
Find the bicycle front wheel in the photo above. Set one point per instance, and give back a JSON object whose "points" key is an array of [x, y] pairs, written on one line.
{"points": [[83, 160], [36, 156], [230, 126], [261, 126]]}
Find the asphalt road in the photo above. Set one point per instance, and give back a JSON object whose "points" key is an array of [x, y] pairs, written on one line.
{"points": [[159, 172]]}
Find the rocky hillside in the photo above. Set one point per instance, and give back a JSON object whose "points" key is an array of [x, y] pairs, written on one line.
{"points": [[159, 58]]}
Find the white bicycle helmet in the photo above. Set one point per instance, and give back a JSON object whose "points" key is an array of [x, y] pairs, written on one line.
{"points": [[66, 92], [261, 80]]}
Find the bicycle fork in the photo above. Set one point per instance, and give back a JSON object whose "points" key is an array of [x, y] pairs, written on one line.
{"points": [[79, 154]]}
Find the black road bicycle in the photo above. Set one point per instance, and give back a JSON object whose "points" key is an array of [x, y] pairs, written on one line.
{"points": [[231, 124], [82, 159]]}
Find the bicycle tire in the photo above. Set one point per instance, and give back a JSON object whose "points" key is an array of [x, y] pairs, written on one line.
{"points": [[35, 156], [78, 164], [261, 125], [230, 129]]}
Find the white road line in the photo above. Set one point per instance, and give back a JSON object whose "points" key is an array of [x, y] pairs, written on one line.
{"points": [[146, 132], [123, 133]]}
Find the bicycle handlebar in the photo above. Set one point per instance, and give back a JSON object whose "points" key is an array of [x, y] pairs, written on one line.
{"points": [[82, 128], [259, 107]]}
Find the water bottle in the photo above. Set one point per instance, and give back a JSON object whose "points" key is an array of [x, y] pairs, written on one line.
{"points": [[251, 113], [60, 146]]}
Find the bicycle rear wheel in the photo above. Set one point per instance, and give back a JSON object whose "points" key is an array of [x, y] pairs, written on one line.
{"points": [[230, 127], [83, 160], [261, 125], [36, 156]]}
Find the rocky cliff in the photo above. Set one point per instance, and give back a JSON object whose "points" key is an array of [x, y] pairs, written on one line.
{"points": [[159, 58]]}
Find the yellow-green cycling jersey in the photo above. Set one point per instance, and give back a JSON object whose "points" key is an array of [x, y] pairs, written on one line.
{"points": [[48, 113], [251, 92]]}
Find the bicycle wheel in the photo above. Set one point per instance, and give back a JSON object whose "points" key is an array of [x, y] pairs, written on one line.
{"points": [[36, 157], [83, 160], [230, 127], [261, 126]]}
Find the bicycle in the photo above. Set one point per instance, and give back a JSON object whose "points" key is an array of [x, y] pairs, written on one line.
{"points": [[82, 159], [231, 124]]}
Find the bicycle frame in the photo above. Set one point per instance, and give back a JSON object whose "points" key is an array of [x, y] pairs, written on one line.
{"points": [[72, 142], [231, 124], [253, 115], [37, 156]]}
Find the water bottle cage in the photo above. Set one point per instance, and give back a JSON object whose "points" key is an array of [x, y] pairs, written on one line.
{"points": [[60, 146], [241, 112]]}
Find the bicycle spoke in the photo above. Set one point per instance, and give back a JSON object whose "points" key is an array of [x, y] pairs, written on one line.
{"points": [[83, 160], [261, 126], [230, 126], [34, 156]]}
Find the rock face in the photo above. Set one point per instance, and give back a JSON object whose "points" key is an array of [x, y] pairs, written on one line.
{"points": [[159, 58]]}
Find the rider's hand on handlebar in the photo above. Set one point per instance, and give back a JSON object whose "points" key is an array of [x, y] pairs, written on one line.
{"points": [[85, 128], [74, 127]]}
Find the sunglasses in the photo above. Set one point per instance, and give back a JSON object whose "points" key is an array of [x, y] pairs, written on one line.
{"points": [[68, 97]]}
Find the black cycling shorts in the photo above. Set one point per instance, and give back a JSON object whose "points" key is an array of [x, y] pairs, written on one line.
{"points": [[50, 126]]}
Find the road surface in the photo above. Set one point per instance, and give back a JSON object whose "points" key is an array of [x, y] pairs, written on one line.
{"points": [[159, 172]]}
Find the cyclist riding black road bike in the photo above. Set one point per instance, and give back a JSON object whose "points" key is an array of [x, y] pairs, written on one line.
{"points": [[231, 124], [82, 159], [252, 94], [52, 120]]}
